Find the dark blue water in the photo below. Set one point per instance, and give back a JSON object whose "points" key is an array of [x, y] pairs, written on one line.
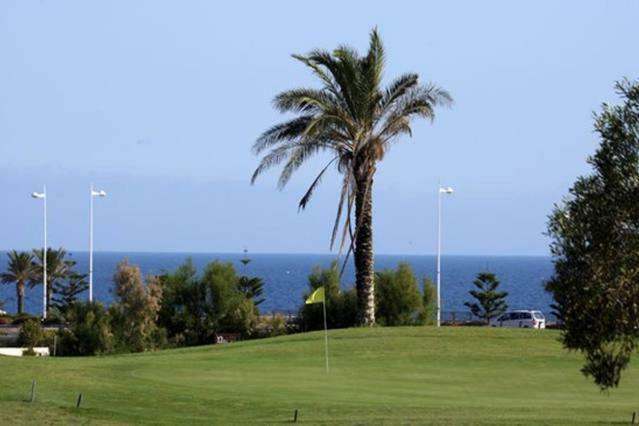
{"points": [[285, 276]]}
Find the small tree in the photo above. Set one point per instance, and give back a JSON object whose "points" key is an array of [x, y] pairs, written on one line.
{"points": [[398, 298], [87, 331], [595, 246], [490, 302], [341, 306], [31, 334], [227, 307], [20, 271], [136, 307], [252, 288], [66, 292], [429, 301]]}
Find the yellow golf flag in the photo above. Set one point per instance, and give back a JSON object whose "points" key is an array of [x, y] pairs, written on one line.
{"points": [[316, 297]]}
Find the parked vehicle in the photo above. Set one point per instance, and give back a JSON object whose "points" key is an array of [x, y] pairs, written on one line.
{"points": [[520, 319]]}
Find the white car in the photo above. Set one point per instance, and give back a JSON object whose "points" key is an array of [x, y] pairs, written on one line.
{"points": [[520, 319]]}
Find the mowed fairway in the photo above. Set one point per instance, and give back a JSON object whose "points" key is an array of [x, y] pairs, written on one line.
{"points": [[378, 376]]}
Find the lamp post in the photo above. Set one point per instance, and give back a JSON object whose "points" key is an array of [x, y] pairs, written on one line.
{"points": [[93, 193], [441, 190], [43, 196]]}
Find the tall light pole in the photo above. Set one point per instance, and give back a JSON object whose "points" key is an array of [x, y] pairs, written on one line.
{"points": [[43, 196], [441, 190], [93, 193]]}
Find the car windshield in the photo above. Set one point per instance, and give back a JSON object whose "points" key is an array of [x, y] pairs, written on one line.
{"points": [[538, 315]]}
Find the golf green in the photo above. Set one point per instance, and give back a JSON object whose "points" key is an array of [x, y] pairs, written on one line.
{"points": [[404, 375]]}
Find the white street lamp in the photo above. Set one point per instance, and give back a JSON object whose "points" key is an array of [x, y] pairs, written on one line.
{"points": [[93, 194], [442, 190], [43, 196]]}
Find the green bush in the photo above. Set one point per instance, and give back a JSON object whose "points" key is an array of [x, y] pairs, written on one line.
{"points": [[29, 352], [276, 325], [88, 330], [397, 296], [6, 319], [429, 302], [31, 334], [194, 308], [135, 311], [341, 306]]}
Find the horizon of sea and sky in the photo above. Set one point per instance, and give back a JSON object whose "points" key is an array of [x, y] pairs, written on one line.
{"points": [[286, 276]]}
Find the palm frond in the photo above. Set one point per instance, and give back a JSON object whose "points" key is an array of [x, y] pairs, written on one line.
{"points": [[309, 192], [287, 131], [302, 152], [397, 89], [305, 100]]}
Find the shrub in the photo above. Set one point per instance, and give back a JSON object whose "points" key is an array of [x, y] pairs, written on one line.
{"points": [[135, 311], [88, 330], [6, 319], [194, 308], [341, 306], [29, 352], [31, 334], [229, 309], [275, 325], [398, 299], [429, 301]]}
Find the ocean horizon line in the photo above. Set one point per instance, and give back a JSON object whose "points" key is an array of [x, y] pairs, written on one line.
{"points": [[261, 253]]}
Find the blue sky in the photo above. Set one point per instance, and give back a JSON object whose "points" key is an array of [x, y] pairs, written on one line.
{"points": [[159, 103]]}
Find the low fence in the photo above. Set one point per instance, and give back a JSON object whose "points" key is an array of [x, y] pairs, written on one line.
{"points": [[450, 317], [460, 317]]}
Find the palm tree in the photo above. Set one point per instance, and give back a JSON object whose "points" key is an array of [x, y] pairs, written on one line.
{"points": [[355, 120], [20, 271], [58, 268]]}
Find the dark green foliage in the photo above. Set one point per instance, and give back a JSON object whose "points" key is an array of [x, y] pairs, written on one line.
{"points": [[252, 288], [490, 302], [595, 245], [341, 306], [398, 299], [31, 334], [229, 309], [429, 301], [87, 331], [195, 308], [59, 267], [183, 308], [66, 292], [20, 271]]}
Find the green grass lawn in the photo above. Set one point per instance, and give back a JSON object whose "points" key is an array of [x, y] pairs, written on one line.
{"points": [[378, 376]]}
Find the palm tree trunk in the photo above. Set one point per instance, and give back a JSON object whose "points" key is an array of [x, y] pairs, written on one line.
{"points": [[363, 253], [20, 296]]}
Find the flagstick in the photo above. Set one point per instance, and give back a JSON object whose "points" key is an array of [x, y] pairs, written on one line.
{"points": [[325, 332]]}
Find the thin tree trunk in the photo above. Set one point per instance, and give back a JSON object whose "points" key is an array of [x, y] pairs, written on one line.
{"points": [[363, 253], [20, 296]]}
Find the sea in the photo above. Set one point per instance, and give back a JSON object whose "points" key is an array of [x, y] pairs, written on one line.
{"points": [[286, 276]]}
